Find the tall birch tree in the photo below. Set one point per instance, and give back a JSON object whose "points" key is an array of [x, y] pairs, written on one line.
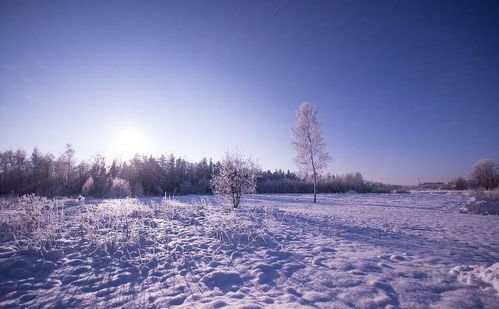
{"points": [[308, 141]]}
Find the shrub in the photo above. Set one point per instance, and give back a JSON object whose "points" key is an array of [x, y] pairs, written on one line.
{"points": [[32, 221], [482, 206], [236, 178], [483, 202], [459, 184], [115, 224], [88, 187], [120, 188]]}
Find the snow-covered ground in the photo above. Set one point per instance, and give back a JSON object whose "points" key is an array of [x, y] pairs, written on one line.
{"points": [[349, 250]]}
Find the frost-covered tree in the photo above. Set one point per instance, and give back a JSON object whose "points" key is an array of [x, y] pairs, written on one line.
{"points": [[69, 154], [88, 187], [120, 188], [309, 143], [485, 173], [236, 177]]}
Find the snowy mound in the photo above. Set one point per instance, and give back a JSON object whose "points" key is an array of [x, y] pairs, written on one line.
{"points": [[351, 192], [486, 278], [482, 206]]}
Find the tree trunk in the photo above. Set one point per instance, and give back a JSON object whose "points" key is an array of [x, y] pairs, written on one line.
{"points": [[315, 190]]}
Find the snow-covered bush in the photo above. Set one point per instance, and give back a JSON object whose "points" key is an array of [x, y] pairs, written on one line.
{"points": [[243, 227], [236, 177], [120, 188], [483, 202], [116, 223], [176, 210], [88, 187], [32, 221]]}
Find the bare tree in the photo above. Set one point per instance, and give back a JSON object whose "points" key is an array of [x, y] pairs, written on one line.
{"points": [[235, 178], [485, 174], [69, 154], [459, 183], [309, 143]]}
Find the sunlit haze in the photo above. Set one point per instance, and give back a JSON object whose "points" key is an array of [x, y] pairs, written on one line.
{"points": [[127, 141]]}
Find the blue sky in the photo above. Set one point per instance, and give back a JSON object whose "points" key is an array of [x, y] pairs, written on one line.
{"points": [[404, 89]]}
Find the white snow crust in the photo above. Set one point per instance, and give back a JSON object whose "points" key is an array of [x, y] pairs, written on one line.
{"points": [[277, 251]]}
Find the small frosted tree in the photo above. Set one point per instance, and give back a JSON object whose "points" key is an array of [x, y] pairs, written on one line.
{"points": [[235, 178], [88, 187], [485, 174], [120, 188], [309, 143]]}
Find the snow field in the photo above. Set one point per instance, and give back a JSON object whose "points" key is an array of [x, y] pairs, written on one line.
{"points": [[349, 250]]}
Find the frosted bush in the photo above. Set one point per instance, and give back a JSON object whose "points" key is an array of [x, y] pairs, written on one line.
{"points": [[116, 224], [183, 212], [482, 203], [236, 178], [120, 188], [32, 221], [88, 187], [242, 227]]}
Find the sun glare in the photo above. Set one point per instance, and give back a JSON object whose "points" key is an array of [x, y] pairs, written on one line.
{"points": [[127, 142]]}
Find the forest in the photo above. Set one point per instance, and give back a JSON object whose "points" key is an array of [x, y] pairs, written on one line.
{"points": [[48, 175]]}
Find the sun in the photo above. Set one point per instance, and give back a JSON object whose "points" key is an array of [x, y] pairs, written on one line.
{"points": [[128, 141]]}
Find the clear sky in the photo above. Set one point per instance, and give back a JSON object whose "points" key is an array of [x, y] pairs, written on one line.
{"points": [[404, 89]]}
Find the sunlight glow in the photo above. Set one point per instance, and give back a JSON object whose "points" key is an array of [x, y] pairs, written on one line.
{"points": [[128, 141]]}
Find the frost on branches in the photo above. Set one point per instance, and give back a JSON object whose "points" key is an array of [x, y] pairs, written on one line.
{"points": [[235, 178], [309, 143]]}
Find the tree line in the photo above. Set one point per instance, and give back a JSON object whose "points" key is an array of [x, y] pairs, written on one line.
{"points": [[48, 175]]}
